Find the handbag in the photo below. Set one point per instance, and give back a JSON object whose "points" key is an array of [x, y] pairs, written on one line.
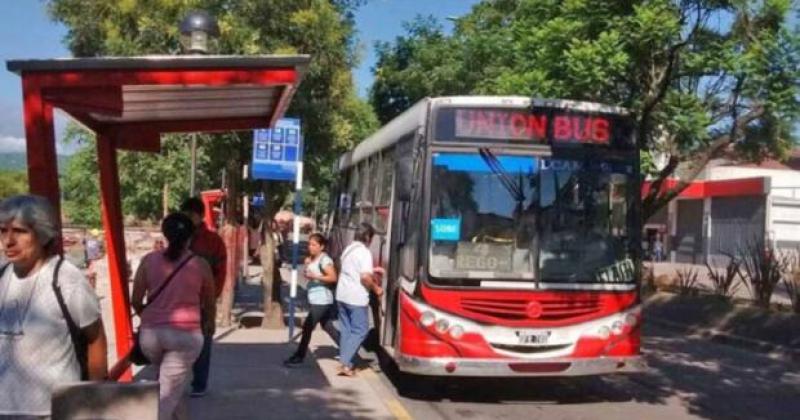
{"points": [[136, 355], [79, 340]]}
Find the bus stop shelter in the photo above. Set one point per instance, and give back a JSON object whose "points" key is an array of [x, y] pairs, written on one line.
{"points": [[129, 102]]}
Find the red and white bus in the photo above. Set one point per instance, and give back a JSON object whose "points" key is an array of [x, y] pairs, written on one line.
{"points": [[509, 229]]}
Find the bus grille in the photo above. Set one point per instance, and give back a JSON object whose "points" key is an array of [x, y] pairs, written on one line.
{"points": [[529, 349], [516, 310]]}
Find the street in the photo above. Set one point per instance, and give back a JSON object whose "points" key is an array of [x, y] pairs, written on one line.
{"points": [[688, 378]]}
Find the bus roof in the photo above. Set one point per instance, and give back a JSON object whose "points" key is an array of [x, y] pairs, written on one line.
{"points": [[414, 118]]}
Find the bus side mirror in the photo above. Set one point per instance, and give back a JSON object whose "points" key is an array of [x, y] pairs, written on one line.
{"points": [[404, 178]]}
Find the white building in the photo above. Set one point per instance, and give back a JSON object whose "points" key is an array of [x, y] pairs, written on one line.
{"points": [[730, 205]]}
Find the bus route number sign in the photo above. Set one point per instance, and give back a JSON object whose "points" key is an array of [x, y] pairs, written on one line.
{"points": [[483, 257], [517, 125]]}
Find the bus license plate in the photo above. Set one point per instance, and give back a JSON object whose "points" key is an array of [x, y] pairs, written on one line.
{"points": [[533, 337]]}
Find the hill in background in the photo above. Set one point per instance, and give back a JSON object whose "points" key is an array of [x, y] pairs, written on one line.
{"points": [[19, 162]]}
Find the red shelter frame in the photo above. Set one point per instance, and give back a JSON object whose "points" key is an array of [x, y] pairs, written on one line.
{"points": [[129, 102]]}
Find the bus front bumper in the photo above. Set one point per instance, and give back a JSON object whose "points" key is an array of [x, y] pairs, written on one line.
{"points": [[520, 367]]}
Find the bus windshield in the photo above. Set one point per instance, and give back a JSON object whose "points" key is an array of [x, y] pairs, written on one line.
{"points": [[528, 218]]}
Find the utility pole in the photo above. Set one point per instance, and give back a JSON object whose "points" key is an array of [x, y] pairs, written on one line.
{"points": [[192, 190]]}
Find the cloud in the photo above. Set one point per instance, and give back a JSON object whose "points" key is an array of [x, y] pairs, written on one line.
{"points": [[12, 133], [11, 144]]}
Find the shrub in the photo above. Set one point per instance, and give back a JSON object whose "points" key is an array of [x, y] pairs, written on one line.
{"points": [[762, 270], [726, 283], [687, 281], [792, 282]]}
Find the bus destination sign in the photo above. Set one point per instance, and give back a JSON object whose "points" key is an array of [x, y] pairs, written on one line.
{"points": [[539, 125]]}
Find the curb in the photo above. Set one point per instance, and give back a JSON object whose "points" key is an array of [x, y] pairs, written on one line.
{"points": [[224, 332], [389, 400], [747, 343]]}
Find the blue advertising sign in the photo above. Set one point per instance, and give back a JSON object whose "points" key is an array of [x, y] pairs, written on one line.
{"points": [[446, 229], [277, 150]]}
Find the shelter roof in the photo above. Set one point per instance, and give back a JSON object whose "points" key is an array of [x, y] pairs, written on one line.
{"points": [[139, 98], [159, 62]]}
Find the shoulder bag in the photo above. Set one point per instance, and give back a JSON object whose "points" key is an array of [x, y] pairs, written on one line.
{"points": [[136, 356]]}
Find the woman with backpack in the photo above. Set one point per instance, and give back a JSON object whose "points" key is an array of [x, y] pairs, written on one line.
{"points": [[180, 309], [51, 332], [321, 276]]}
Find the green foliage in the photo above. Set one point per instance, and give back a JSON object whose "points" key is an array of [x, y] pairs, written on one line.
{"points": [[142, 178], [333, 117], [699, 77], [13, 183], [80, 181]]}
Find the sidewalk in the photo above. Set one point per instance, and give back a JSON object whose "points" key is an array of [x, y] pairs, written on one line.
{"points": [[249, 381]]}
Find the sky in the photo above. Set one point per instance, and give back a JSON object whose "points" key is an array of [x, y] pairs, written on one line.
{"points": [[27, 32]]}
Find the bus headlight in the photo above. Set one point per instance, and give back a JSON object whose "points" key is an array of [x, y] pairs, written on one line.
{"points": [[617, 327], [456, 331], [631, 320], [604, 332], [427, 319], [441, 325]]}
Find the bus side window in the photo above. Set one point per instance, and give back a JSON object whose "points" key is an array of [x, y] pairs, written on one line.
{"points": [[368, 189], [354, 194], [411, 215], [383, 192]]}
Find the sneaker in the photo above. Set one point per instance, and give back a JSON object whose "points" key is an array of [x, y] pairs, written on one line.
{"points": [[293, 361], [197, 393]]}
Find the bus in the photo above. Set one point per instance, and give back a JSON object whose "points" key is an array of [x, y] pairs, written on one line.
{"points": [[509, 230]]}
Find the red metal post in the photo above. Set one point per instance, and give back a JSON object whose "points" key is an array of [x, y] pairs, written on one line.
{"points": [[115, 240], [41, 144]]}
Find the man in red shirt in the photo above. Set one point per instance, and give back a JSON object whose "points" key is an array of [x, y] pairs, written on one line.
{"points": [[209, 245]]}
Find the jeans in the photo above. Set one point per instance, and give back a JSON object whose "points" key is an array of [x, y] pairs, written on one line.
{"points": [[202, 365], [354, 323], [324, 314]]}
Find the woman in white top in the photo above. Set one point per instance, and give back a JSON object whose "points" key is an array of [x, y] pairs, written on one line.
{"points": [[36, 350], [321, 277], [357, 279]]}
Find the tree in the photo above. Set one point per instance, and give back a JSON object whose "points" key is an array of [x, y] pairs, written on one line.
{"points": [[143, 178], [701, 78], [13, 183], [333, 117]]}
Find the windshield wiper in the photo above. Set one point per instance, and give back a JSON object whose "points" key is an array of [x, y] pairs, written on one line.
{"points": [[505, 179]]}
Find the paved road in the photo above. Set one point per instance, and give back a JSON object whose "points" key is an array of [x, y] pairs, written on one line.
{"points": [[688, 378]]}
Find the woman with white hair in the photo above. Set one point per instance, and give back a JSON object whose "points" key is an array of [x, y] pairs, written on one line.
{"points": [[40, 295]]}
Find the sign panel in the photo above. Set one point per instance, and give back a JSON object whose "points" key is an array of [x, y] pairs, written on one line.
{"points": [[539, 125], [484, 257], [446, 229], [277, 150]]}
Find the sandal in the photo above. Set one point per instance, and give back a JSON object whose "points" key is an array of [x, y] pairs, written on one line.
{"points": [[346, 371]]}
